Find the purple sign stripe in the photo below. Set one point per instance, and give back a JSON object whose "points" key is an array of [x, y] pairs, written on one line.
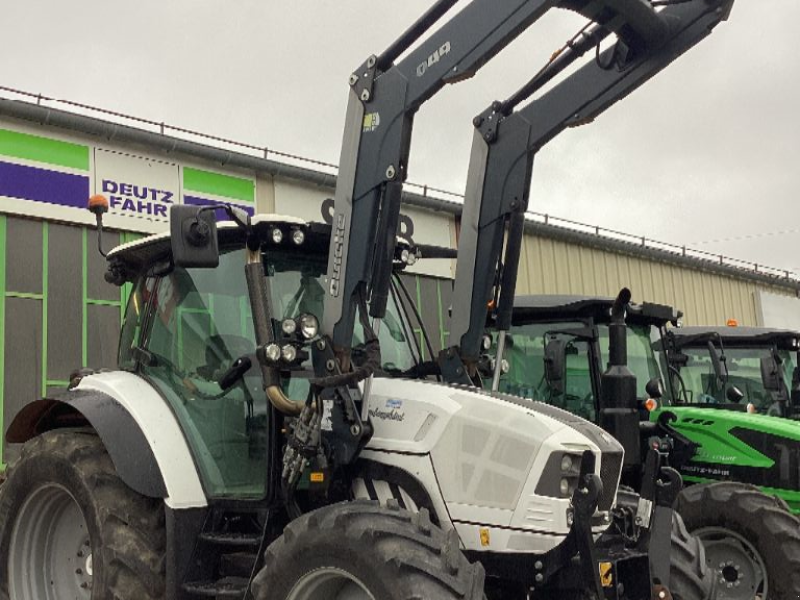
{"points": [[220, 214], [43, 185]]}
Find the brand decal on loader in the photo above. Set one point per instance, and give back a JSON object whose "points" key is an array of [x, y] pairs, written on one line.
{"points": [[338, 252], [434, 58]]}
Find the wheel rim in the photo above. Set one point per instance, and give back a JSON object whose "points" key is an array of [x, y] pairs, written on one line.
{"points": [[329, 584], [50, 555], [741, 572]]}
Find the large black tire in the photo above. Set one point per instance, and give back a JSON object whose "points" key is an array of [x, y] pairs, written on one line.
{"points": [[63, 493], [359, 549], [690, 577], [736, 520]]}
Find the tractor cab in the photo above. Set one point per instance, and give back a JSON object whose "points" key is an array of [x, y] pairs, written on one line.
{"points": [[558, 347], [736, 368], [189, 331]]}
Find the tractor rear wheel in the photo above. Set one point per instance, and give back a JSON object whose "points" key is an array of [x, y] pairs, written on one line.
{"points": [[361, 551], [70, 528], [751, 540]]}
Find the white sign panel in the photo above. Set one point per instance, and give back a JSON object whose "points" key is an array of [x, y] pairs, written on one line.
{"points": [[774, 310], [136, 187]]}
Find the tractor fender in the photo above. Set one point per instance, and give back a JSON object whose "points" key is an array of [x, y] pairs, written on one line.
{"points": [[136, 426]]}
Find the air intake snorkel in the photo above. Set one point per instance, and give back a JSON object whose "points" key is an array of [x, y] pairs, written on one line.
{"points": [[619, 414]]}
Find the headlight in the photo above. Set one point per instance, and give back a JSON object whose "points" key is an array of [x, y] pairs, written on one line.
{"points": [[298, 237], [561, 475], [309, 326], [486, 342], [288, 326], [277, 235], [566, 463], [273, 352], [289, 353]]}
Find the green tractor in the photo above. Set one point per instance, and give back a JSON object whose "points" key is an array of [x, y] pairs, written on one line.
{"points": [[749, 377], [743, 468]]}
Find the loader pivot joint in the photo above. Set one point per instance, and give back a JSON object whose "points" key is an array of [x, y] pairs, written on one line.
{"points": [[363, 80], [486, 123]]}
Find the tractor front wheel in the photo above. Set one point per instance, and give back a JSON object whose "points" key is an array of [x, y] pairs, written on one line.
{"points": [[361, 551], [70, 528], [751, 540]]}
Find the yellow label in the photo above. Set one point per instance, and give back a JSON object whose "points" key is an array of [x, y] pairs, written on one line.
{"points": [[371, 121], [317, 477], [606, 574], [485, 539]]}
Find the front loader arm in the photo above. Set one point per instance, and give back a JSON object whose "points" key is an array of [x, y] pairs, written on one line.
{"points": [[504, 147], [383, 100]]}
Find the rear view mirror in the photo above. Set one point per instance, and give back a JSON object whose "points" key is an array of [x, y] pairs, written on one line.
{"points": [[193, 236], [654, 388], [734, 394], [717, 361], [771, 374], [555, 365], [796, 386]]}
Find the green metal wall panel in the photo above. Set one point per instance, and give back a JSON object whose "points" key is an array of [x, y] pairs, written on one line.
{"points": [[24, 256], [23, 357], [65, 317], [103, 336]]}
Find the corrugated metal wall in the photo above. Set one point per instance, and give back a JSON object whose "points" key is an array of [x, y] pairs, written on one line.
{"points": [[550, 266]]}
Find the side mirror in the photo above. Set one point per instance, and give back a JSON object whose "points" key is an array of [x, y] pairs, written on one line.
{"points": [[717, 361], [771, 374], [734, 394], [795, 394], [193, 236], [555, 365], [654, 388]]}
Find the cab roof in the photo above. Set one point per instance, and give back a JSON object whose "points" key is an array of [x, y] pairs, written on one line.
{"points": [[534, 308], [735, 336], [136, 255], [128, 260]]}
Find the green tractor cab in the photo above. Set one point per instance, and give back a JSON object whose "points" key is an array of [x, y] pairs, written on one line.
{"points": [[737, 368]]}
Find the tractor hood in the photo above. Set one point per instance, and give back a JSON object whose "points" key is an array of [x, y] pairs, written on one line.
{"points": [[732, 419], [499, 455]]}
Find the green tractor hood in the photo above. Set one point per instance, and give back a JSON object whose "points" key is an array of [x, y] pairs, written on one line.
{"points": [[736, 445]]}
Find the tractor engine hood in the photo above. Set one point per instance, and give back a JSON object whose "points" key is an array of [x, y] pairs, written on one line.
{"points": [[497, 458]]}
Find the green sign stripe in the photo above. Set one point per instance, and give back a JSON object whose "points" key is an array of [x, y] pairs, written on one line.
{"points": [[205, 182], [44, 150], [2, 331]]}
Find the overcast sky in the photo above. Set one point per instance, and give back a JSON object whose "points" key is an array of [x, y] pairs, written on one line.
{"points": [[707, 151]]}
